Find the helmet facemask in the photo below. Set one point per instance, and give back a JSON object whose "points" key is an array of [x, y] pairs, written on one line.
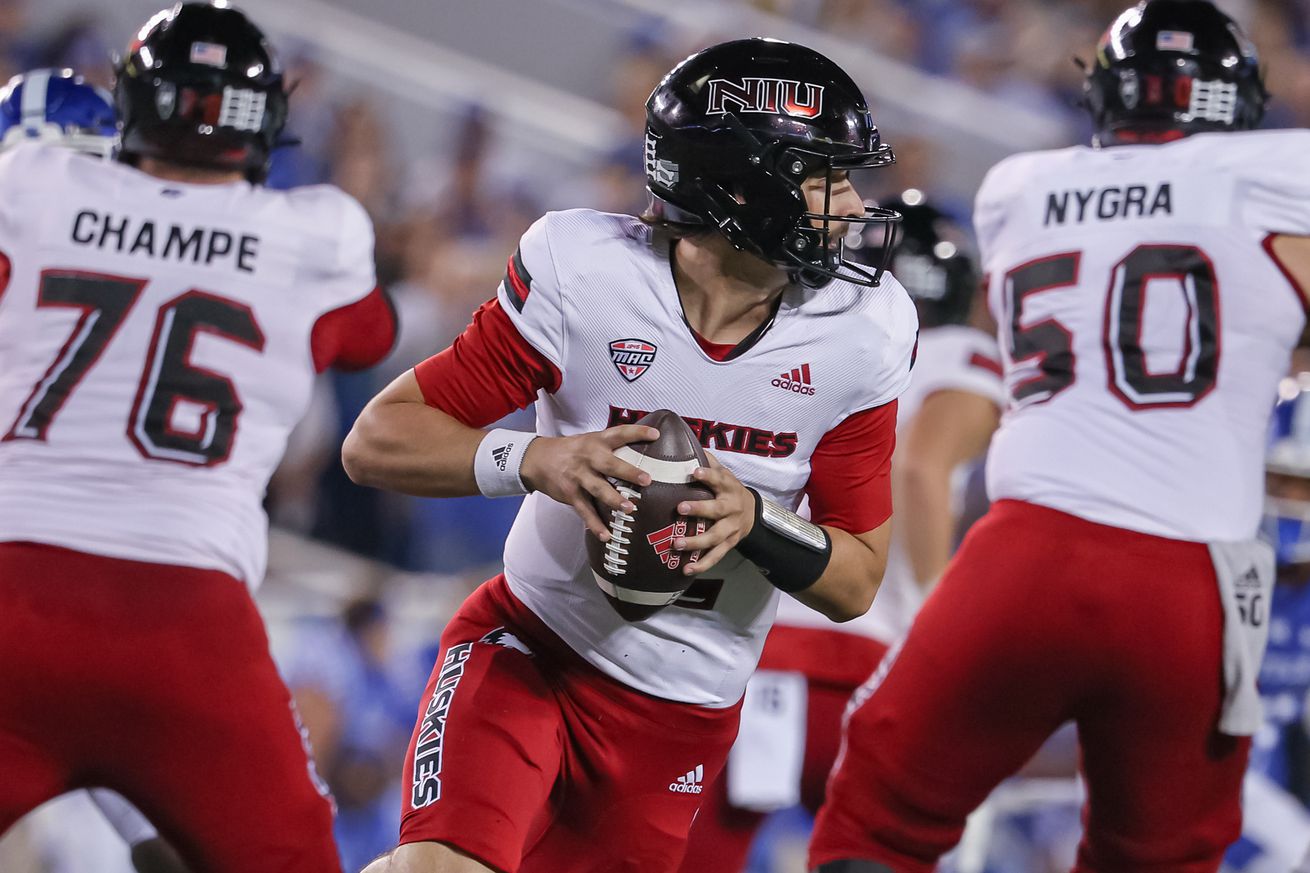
{"points": [[810, 247], [931, 258]]}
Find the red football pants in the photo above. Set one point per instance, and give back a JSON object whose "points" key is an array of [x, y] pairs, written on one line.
{"points": [[834, 664], [1043, 617], [528, 758], [154, 681]]}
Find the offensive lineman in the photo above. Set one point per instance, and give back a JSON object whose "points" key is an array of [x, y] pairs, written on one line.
{"points": [[1148, 292], [161, 322], [554, 735], [791, 716], [60, 107]]}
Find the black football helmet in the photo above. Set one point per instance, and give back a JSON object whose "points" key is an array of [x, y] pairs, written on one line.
{"points": [[201, 86], [733, 131], [1168, 66], [930, 258]]}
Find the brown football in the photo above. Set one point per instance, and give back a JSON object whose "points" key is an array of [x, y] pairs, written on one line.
{"points": [[638, 569]]}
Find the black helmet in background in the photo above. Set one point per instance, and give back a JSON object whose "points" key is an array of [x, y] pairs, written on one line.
{"points": [[201, 86], [732, 133], [930, 256], [1173, 67]]}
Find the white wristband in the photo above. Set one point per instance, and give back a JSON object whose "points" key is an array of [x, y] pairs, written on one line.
{"points": [[497, 462]]}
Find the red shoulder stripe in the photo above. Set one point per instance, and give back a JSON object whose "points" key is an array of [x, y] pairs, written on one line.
{"points": [[518, 281], [488, 372]]}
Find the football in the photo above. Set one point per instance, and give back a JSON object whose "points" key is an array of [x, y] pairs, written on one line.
{"points": [[638, 569]]}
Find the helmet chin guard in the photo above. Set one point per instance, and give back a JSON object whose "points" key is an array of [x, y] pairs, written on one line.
{"points": [[732, 134], [932, 259]]}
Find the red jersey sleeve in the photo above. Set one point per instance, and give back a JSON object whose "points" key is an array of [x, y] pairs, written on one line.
{"points": [[488, 372], [850, 471], [355, 336]]}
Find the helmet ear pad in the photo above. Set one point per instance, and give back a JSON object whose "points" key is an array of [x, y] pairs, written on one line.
{"points": [[757, 209], [760, 206]]}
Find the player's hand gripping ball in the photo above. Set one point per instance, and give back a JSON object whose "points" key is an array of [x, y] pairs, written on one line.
{"points": [[638, 569]]}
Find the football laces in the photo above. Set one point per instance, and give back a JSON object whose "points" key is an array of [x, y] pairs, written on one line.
{"points": [[616, 561]]}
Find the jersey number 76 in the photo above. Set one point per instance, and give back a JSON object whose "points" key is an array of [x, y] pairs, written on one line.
{"points": [[169, 377]]}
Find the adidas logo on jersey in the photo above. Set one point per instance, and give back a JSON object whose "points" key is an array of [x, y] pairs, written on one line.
{"points": [[797, 381], [689, 782], [501, 456]]}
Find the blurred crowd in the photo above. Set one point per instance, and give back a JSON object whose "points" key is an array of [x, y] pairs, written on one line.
{"points": [[1022, 50], [445, 224]]}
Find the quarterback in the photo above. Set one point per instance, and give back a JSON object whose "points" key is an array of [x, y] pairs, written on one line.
{"points": [[144, 401], [554, 734]]}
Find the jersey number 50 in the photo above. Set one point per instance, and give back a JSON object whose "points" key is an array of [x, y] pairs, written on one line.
{"points": [[169, 377], [1048, 345]]}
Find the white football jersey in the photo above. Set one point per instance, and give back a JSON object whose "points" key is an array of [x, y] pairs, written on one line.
{"points": [[155, 352], [951, 358], [1143, 326], [604, 309]]}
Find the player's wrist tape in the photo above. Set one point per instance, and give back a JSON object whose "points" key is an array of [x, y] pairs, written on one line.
{"points": [[497, 462], [791, 552]]}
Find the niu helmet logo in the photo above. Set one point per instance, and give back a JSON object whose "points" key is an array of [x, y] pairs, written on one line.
{"points": [[632, 357], [662, 541], [773, 96]]}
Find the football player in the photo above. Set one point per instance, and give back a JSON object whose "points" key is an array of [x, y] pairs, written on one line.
{"points": [[161, 322], [61, 108], [554, 734], [791, 717], [1149, 290]]}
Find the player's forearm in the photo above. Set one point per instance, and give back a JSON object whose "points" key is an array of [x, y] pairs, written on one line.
{"points": [[847, 587], [402, 444], [923, 493], [951, 427]]}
